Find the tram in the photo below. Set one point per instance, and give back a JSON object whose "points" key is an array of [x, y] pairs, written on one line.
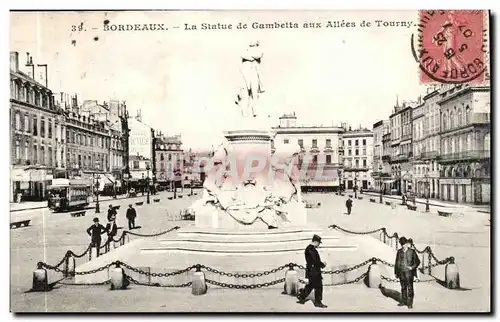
{"points": [[66, 195]]}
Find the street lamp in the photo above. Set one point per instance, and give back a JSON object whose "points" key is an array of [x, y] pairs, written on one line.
{"points": [[427, 209], [114, 189], [147, 183], [380, 181], [97, 210]]}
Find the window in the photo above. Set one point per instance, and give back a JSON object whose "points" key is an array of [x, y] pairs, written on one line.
{"points": [[487, 143], [364, 151], [50, 157], [26, 150], [315, 159], [328, 159], [27, 123], [356, 142], [18, 121], [364, 141], [349, 152], [17, 152], [79, 161], [169, 157], [50, 129], [162, 158], [42, 155], [42, 128], [62, 159], [357, 152], [357, 163], [35, 154], [364, 163], [452, 120], [301, 143], [314, 143], [328, 142], [286, 141], [459, 117], [349, 143], [467, 114]]}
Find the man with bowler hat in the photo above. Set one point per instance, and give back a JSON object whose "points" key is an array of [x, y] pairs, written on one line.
{"points": [[131, 214], [313, 274], [405, 269]]}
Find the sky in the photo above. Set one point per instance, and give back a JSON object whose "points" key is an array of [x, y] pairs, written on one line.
{"points": [[185, 81]]}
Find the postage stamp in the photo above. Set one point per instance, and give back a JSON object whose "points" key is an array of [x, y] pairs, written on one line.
{"points": [[452, 46]]}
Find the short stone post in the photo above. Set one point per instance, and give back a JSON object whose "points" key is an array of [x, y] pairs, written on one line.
{"points": [[40, 279], [117, 278], [384, 234], [199, 285], [452, 278], [374, 275], [292, 285], [69, 266]]}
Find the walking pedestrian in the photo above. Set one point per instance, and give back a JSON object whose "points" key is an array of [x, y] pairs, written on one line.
{"points": [[95, 232], [405, 270], [131, 214], [313, 274], [348, 205], [112, 230]]}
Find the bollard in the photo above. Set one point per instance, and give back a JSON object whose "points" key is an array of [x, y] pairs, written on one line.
{"points": [[452, 277], [117, 277], [69, 266], [40, 279], [374, 275], [198, 286], [292, 285]]}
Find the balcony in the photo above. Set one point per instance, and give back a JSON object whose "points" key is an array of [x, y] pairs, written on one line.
{"points": [[429, 155], [386, 158], [402, 157], [480, 118], [356, 168], [465, 156], [314, 149], [328, 148]]}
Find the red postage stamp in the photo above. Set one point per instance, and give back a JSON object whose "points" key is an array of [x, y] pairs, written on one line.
{"points": [[452, 46]]}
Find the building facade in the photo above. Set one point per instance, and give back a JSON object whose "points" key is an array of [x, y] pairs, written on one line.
{"points": [[380, 166], [170, 161], [358, 159], [37, 143], [401, 149], [465, 173], [322, 145]]}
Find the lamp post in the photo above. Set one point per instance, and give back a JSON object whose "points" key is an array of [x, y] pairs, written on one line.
{"points": [[114, 189], [147, 183], [380, 181], [97, 209], [191, 185], [427, 208], [356, 184]]}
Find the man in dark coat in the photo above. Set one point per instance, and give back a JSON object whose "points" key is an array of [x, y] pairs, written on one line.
{"points": [[131, 214], [112, 229], [95, 232], [348, 205], [111, 212], [405, 269], [313, 274]]}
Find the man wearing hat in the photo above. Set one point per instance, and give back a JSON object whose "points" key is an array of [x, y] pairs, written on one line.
{"points": [[405, 269], [131, 214], [95, 232], [111, 212], [313, 274]]}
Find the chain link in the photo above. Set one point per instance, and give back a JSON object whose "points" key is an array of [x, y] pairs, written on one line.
{"points": [[355, 232], [182, 271], [153, 235], [349, 269], [250, 275], [245, 286], [132, 280]]}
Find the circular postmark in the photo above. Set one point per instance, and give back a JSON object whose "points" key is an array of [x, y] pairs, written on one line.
{"points": [[451, 46]]}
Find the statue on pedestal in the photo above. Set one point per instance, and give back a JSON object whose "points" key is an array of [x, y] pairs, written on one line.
{"points": [[251, 87]]}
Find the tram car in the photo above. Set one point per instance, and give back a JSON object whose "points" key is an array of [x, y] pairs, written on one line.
{"points": [[66, 195]]}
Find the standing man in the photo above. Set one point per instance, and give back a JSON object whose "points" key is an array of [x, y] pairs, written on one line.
{"points": [[405, 269], [95, 232], [131, 214], [348, 205], [112, 230], [111, 212], [313, 274]]}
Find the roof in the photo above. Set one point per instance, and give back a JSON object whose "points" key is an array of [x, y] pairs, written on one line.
{"points": [[27, 78]]}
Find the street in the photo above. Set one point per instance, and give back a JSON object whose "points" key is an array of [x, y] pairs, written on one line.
{"points": [[50, 235]]}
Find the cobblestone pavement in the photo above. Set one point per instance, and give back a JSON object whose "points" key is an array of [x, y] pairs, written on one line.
{"points": [[466, 237]]}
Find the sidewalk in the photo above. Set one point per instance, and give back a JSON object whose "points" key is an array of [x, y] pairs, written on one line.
{"points": [[432, 202]]}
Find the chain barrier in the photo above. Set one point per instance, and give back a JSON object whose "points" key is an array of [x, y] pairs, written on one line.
{"points": [[245, 286], [132, 280], [353, 281], [250, 275], [182, 271], [152, 235], [395, 280], [355, 232], [349, 269]]}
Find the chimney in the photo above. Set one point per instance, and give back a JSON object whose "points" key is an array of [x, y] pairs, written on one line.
{"points": [[29, 63], [14, 61]]}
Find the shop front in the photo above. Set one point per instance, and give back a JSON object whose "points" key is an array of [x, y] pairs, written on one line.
{"points": [[29, 184]]}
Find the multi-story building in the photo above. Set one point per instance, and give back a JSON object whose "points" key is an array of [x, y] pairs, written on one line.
{"points": [[401, 148], [323, 145], [420, 168], [170, 161], [140, 148], [358, 158], [465, 143], [37, 144], [380, 166]]}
